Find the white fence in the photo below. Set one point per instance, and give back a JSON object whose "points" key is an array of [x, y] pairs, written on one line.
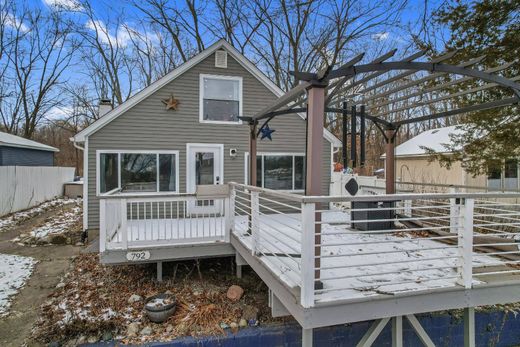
{"points": [[22, 187]]}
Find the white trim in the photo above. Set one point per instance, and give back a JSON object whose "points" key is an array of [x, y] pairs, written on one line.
{"points": [[85, 185], [201, 97], [122, 151], [143, 94], [263, 154]]}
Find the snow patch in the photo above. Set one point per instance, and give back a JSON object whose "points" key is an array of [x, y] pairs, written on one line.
{"points": [[14, 272]]}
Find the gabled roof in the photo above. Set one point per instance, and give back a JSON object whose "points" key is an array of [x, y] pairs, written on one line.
{"points": [[435, 139], [9, 140], [138, 97]]}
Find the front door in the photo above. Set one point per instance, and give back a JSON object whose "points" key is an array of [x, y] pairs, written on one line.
{"points": [[204, 166]]}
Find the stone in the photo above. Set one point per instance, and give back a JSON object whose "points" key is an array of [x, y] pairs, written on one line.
{"points": [[132, 329], [235, 293], [233, 325], [92, 339], [224, 325], [249, 312], [107, 336], [168, 292], [146, 331], [80, 244], [169, 328], [134, 298], [60, 285], [58, 239], [81, 340], [242, 323]]}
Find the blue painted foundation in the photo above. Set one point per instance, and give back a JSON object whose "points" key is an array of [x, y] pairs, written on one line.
{"points": [[497, 329]]}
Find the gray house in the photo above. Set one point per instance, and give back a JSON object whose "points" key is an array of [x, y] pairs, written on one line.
{"points": [[184, 130], [19, 151]]}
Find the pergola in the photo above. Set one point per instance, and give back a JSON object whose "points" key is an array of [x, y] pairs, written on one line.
{"points": [[380, 84]]}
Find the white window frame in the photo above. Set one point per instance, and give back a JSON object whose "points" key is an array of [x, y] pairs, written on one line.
{"points": [[135, 151], [201, 98], [503, 176], [281, 154]]}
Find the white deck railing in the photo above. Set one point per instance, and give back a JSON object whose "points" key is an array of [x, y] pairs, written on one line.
{"points": [[374, 245], [138, 221]]}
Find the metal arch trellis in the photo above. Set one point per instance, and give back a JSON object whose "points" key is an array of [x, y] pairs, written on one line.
{"points": [[335, 83]]}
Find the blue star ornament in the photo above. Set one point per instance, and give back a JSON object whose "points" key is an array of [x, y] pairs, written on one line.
{"points": [[266, 133]]}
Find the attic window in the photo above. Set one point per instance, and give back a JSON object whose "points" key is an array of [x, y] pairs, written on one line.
{"points": [[221, 59], [220, 99]]}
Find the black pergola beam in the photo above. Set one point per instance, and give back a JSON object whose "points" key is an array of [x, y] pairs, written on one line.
{"points": [[473, 108]]}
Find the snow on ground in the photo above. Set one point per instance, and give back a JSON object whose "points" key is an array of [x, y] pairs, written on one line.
{"points": [[399, 263], [14, 272], [59, 224], [16, 218]]}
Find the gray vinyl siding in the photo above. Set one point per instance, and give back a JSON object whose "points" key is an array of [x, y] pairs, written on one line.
{"points": [[15, 156], [148, 126]]}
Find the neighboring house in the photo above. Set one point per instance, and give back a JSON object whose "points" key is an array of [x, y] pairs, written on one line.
{"points": [[146, 146], [19, 151], [413, 164]]}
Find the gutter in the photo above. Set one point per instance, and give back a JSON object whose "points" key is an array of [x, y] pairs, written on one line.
{"points": [[71, 139]]}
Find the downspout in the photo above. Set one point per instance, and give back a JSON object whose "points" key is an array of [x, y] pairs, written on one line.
{"points": [[84, 233]]}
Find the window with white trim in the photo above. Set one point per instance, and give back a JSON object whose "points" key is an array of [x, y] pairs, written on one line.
{"points": [[136, 171], [504, 175], [279, 171], [220, 99]]}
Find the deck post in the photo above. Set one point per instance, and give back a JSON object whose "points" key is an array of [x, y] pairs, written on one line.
{"points": [[308, 255], [252, 153], [314, 160], [102, 225], [469, 327], [465, 245], [397, 331], [159, 271], [255, 222], [390, 160], [124, 231], [454, 212], [306, 337], [230, 214]]}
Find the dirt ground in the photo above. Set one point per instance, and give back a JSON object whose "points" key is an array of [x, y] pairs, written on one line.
{"points": [[53, 262]]}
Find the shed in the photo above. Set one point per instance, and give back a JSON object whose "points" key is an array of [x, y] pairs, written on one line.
{"points": [[19, 151]]}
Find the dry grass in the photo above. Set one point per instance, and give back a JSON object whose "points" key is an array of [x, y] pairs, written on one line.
{"points": [[94, 300]]}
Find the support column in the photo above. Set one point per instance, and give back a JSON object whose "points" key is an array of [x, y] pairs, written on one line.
{"points": [[159, 271], [397, 331], [306, 337], [390, 160], [314, 160], [344, 130], [252, 154], [469, 327]]}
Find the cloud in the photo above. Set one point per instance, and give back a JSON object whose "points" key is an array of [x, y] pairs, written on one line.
{"points": [[381, 36], [14, 23], [121, 37], [68, 5], [59, 112]]}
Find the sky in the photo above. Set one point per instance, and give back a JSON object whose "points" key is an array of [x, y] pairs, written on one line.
{"points": [[106, 10]]}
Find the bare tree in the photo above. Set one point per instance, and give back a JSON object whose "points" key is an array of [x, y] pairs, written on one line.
{"points": [[42, 50]]}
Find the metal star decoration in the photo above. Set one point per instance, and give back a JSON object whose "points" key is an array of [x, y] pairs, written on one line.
{"points": [[171, 103], [266, 133]]}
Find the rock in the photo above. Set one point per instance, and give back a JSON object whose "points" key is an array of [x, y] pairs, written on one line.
{"points": [[54, 344], [169, 328], [132, 329], [233, 326], [168, 292], [146, 331], [242, 323], [58, 239], [60, 285], [80, 244], [107, 336], [92, 339], [134, 298], [81, 340], [249, 312], [235, 293], [224, 325]]}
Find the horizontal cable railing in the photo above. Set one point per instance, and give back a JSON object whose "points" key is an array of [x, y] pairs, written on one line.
{"points": [[350, 247]]}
